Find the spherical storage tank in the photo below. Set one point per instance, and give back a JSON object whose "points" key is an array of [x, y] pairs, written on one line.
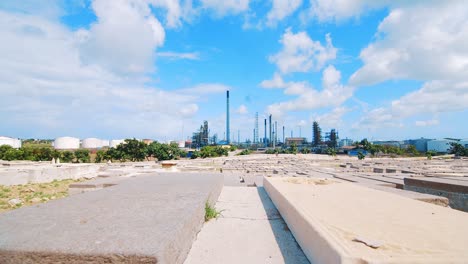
{"points": [[12, 142], [115, 142], [67, 143], [91, 143]]}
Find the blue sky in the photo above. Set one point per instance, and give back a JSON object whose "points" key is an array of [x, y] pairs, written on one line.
{"points": [[158, 68]]}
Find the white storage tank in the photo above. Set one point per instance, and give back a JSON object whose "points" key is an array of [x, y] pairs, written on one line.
{"points": [[91, 143], [115, 142], [67, 143], [105, 143], [12, 142]]}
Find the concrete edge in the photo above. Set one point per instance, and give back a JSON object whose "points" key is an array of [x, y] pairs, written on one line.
{"points": [[311, 237], [189, 232]]}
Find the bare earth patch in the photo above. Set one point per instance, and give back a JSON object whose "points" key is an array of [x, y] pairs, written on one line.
{"points": [[16, 196]]}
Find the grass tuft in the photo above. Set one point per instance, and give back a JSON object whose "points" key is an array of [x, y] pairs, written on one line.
{"points": [[210, 212]]}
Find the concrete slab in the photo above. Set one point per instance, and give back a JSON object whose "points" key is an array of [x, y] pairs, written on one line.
{"points": [[147, 219], [330, 222], [455, 190], [250, 230]]}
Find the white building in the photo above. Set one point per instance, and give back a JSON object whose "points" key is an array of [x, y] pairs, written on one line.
{"points": [[12, 142], [67, 143], [440, 145]]}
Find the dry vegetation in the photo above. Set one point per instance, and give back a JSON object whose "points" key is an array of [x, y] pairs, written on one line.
{"points": [[33, 193]]}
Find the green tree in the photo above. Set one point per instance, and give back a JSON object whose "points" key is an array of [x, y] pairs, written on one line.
{"points": [[67, 156], [3, 150], [458, 149], [13, 154], [305, 151], [331, 151], [100, 156], [430, 154], [411, 149], [293, 148], [82, 155], [133, 149], [360, 155], [114, 154]]}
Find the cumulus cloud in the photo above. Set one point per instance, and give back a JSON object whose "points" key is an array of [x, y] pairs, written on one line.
{"points": [[275, 82], [334, 118], [432, 98], [46, 85], [281, 9], [224, 7], [122, 45], [302, 54], [422, 42], [333, 93]]}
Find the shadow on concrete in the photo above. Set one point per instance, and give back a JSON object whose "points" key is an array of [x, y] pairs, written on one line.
{"points": [[291, 251]]}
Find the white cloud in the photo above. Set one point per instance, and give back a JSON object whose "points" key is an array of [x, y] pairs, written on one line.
{"points": [[224, 7], [432, 122], [46, 86], [123, 45], [332, 119], [242, 110], [422, 42], [281, 9], [302, 54], [432, 98], [333, 93], [276, 82], [206, 88], [179, 55], [338, 10]]}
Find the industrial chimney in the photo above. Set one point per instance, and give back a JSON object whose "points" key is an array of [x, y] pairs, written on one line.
{"points": [[228, 135]]}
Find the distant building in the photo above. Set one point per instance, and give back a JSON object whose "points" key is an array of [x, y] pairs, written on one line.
{"points": [[440, 145], [296, 140], [464, 143], [147, 141], [420, 144], [388, 143], [345, 142], [12, 142]]}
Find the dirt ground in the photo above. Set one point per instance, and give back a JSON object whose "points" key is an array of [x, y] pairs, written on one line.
{"points": [[33, 193]]}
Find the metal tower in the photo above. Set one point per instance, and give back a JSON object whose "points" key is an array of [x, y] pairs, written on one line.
{"points": [[228, 134], [255, 140]]}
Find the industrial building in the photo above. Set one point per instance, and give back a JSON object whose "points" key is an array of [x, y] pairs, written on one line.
{"points": [[299, 141], [420, 144], [12, 142], [440, 145], [67, 143]]}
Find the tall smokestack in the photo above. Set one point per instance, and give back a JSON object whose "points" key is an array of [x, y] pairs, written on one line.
{"points": [[270, 129], [228, 135], [265, 138], [276, 132], [283, 134]]}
